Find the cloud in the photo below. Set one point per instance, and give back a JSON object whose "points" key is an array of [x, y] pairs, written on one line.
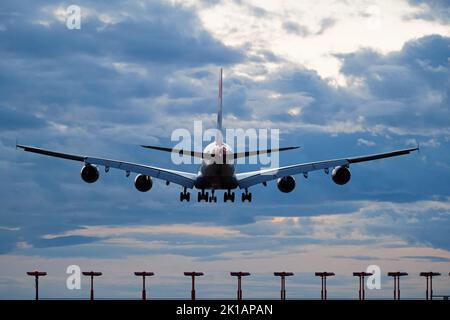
{"points": [[365, 142], [401, 93], [105, 231], [11, 119], [429, 258], [432, 10], [298, 29], [411, 85]]}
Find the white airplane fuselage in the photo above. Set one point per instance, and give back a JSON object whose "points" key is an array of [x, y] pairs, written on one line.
{"points": [[217, 170]]}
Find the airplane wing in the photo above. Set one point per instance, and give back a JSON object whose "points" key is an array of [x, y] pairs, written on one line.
{"points": [[248, 179], [184, 179]]}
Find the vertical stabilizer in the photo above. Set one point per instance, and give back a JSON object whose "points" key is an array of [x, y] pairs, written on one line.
{"points": [[219, 111]]}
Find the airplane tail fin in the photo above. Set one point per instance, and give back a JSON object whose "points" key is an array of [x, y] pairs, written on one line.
{"points": [[219, 136]]}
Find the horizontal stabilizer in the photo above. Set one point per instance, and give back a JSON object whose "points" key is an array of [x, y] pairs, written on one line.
{"points": [[181, 152], [235, 155], [245, 154]]}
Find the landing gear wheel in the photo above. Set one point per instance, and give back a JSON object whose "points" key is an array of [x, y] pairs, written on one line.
{"points": [[184, 195], [247, 196], [228, 195], [203, 196]]}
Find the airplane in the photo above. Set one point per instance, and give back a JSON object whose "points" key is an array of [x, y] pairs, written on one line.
{"points": [[217, 169]]}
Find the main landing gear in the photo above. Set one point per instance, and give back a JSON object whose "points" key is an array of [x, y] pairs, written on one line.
{"points": [[203, 196], [228, 195], [213, 198], [185, 195], [247, 196]]}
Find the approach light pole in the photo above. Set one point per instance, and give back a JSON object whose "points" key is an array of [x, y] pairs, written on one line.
{"points": [[193, 274], [283, 276], [362, 291], [396, 276], [36, 274], [429, 279], [239, 276], [323, 276], [144, 274], [92, 274]]}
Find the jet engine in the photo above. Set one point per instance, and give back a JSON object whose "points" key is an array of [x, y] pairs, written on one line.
{"points": [[143, 183], [89, 173], [286, 184], [341, 175]]}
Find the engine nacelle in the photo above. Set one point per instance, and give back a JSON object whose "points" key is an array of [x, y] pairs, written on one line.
{"points": [[286, 184], [89, 173], [143, 183], [341, 175]]}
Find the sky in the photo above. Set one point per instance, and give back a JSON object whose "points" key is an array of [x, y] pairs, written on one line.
{"points": [[338, 78]]}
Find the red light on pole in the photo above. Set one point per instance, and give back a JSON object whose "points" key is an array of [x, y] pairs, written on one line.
{"points": [[429, 279], [36, 274], [193, 274], [283, 276], [362, 291], [396, 276], [144, 274], [239, 276], [323, 277], [92, 274]]}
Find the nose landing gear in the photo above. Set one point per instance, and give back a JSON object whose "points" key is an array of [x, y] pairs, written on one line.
{"points": [[213, 198]]}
